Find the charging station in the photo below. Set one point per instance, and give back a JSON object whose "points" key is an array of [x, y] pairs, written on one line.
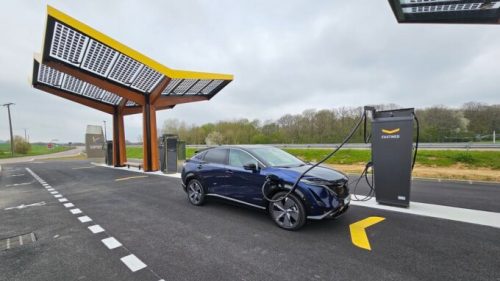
{"points": [[392, 147], [168, 153]]}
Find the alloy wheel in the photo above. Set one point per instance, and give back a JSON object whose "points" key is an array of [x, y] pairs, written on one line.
{"points": [[195, 192], [286, 213]]}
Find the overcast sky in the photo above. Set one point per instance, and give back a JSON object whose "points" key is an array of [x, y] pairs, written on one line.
{"points": [[286, 56]]}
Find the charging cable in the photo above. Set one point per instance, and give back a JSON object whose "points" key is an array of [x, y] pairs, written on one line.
{"points": [[270, 179]]}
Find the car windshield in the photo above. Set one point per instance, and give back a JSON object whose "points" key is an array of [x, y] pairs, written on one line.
{"points": [[276, 157]]}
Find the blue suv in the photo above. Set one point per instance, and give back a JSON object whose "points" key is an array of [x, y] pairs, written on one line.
{"points": [[244, 174]]}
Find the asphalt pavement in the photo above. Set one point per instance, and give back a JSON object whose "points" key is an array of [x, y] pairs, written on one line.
{"points": [[154, 233]]}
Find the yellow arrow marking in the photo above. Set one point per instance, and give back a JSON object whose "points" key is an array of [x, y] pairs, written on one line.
{"points": [[129, 178], [358, 232]]}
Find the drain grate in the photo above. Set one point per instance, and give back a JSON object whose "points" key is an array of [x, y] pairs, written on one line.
{"points": [[17, 241]]}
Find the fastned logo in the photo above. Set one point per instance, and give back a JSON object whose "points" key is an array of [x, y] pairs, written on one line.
{"points": [[390, 133]]}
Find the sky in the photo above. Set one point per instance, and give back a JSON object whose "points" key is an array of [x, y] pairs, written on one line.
{"points": [[286, 57]]}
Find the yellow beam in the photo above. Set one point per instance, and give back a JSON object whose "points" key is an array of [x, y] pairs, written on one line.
{"points": [[110, 42]]}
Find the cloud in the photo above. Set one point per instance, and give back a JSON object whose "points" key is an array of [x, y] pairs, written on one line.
{"points": [[286, 56]]}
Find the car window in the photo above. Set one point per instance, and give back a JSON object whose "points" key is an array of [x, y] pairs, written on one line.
{"points": [[199, 156], [217, 156], [276, 157], [239, 158]]}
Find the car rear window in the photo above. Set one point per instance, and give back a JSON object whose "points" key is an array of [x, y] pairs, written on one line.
{"points": [[217, 156]]}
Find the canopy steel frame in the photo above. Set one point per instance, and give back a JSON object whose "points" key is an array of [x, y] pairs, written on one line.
{"points": [[83, 65]]}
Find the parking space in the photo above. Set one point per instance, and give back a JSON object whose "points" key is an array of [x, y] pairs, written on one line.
{"points": [[149, 217]]}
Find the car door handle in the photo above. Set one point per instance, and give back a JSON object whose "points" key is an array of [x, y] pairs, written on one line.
{"points": [[200, 166], [229, 171]]}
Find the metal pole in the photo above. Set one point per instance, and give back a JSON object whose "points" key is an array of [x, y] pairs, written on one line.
{"points": [[10, 125], [105, 135], [494, 136], [25, 135]]}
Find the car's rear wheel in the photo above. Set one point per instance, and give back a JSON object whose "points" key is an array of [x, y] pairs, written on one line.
{"points": [[288, 213], [196, 192]]}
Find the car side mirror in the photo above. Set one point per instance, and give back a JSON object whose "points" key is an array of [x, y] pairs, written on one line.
{"points": [[251, 167]]}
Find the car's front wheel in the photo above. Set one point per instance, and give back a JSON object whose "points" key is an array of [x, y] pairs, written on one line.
{"points": [[196, 192], [288, 213]]}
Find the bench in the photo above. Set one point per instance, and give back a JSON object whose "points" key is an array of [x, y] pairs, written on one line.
{"points": [[133, 164]]}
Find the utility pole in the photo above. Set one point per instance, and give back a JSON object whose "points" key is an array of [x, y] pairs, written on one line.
{"points": [[105, 136], [10, 125], [494, 136], [25, 135]]}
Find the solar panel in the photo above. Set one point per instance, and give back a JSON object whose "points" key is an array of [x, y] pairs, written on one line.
{"points": [[447, 8], [71, 46], [208, 89], [446, 11], [56, 79], [99, 58], [72, 84], [130, 103], [403, 2], [147, 79], [49, 76], [173, 83], [198, 87], [184, 86], [67, 44]]}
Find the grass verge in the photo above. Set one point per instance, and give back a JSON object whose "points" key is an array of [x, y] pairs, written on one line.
{"points": [[446, 164], [35, 150]]}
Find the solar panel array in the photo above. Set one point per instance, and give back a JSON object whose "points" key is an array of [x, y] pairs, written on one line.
{"points": [[59, 80], [452, 7], [77, 49], [191, 87]]}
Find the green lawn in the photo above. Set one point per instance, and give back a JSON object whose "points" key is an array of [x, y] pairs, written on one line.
{"points": [[35, 150], [430, 158]]}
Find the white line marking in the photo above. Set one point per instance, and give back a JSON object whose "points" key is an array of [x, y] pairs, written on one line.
{"points": [[8, 243], [438, 211], [21, 240], [69, 205], [16, 175], [79, 168], [84, 219], [75, 211], [19, 184], [32, 237], [50, 189], [63, 200], [58, 196], [130, 178], [133, 263], [54, 192], [133, 169], [22, 206], [96, 229], [111, 243]]}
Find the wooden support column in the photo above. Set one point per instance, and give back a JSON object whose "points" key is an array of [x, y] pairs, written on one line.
{"points": [[119, 149], [150, 137]]}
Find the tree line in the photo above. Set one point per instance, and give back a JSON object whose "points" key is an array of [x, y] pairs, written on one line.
{"points": [[471, 122]]}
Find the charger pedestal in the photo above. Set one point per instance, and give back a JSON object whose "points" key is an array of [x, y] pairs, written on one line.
{"points": [[392, 147]]}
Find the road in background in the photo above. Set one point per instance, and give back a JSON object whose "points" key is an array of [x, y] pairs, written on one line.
{"points": [[63, 154]]}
